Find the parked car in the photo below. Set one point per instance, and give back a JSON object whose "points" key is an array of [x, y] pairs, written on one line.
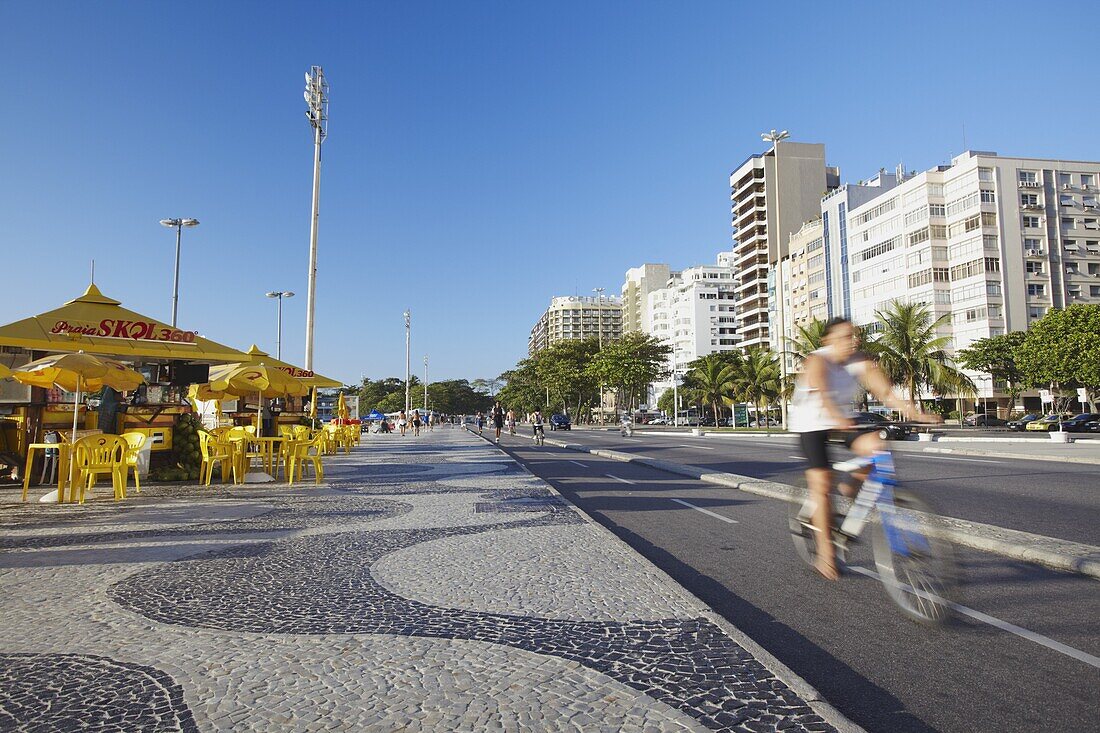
{"points": [[656, 420], [1079, 423], [1020, 423], [887, 429], [560, 422], [1046, 424], [1093, 427], [984, 421]]}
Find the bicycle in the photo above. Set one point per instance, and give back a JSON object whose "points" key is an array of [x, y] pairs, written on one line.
{"points": [[540, 435], [512, 427], [916, 568]]}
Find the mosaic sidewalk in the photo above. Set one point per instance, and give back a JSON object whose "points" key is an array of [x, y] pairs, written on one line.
{"points": [[430, 584]]}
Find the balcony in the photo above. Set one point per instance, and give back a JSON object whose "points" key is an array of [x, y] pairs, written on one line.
{"points": [[1030, 184]]}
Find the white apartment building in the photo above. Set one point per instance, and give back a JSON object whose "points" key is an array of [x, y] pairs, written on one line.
{"points": [[577, 317], [695, 314], [993, 242], [639, 283], [770, 198]]}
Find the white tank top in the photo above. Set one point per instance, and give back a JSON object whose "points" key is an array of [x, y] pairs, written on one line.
{"points": [[807, 413]]}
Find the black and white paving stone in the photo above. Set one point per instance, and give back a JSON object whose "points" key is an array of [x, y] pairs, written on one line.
{"points": [[430, 585]]}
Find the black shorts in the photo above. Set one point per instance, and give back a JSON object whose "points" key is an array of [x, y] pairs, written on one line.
{"points": [[815, 444]]}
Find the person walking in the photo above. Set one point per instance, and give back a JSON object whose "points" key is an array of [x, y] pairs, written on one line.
{"points": [[480, 421], [416, 423], [510, 421], [498, 419], [402, 423]]}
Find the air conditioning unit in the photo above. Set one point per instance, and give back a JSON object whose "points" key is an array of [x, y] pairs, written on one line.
{"points": [[1066, 187], [1032, 252]]}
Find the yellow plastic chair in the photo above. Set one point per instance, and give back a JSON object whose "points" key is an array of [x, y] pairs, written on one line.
{"points": [[100, 454], [134, 443], [218, 452], [307, 452], [286, 451], [240, 438]]}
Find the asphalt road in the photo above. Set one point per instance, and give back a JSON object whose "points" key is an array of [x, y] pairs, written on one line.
{"points": [[1054, 499], [846, 638]]}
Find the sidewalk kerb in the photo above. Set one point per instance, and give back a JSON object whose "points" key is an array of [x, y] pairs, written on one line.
{"points": [[1073, 557], [793, 680], [1016, 456]]}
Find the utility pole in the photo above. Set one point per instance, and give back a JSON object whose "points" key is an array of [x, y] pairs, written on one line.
{"points": [[775, 137], [599, 337], [316, 96], [425, 385], [178, 224], [408, 375]]}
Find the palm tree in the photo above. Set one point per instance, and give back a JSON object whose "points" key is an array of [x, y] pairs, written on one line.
{"points": [[713, 377], [913, 355], [758, 377], [807, 339]]}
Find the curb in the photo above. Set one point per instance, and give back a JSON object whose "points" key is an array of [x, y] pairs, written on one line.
{"points": [[1017, 456], [1072, 557], [788, 676]]}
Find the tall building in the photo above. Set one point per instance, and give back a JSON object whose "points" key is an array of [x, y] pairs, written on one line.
{"points": [[771, 194], [577, 317], [695, 313], [991, 242], [639, 283], [803, 290]]}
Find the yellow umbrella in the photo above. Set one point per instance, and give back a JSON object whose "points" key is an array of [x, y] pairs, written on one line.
{"points": [[313, 408], [4, 371], [342, 407], [74, 373], [239, 380]]}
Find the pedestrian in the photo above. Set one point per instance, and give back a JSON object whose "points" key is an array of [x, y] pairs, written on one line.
{"points": [[431, 422], [498, 419], [402, 423], [416, 423], [480, 421]]}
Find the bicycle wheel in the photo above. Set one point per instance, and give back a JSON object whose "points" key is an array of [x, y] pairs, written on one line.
{"points": [[804, 534], [916, 568]]}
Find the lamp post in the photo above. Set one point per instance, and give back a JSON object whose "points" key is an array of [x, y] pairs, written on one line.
{"points": [[179, 224], [425, 385], [279, 320], [775, 137], [316, 96], [408, 341], [599, 337]]}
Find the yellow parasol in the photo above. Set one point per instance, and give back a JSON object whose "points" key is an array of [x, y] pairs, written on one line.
{"points": [[4, 371], [341, 407], [75, 373], [313, 407], [310, 378], [239, 380]]}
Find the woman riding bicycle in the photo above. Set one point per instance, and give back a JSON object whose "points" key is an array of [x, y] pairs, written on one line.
{"points": [[822, 405]]}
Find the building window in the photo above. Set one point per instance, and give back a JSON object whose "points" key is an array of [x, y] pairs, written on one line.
{"points": [[1035, 313], [988, 197], [985, 174], [1031, 222], [1069, 222], [1086, 179], [936, 209], [1036, 289], [1066, 199], [1029, 199], [1064, 179], [1033, 243], [1033, 267], [1026, 176]]}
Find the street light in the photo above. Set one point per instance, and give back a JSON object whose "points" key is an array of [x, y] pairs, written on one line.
{"points": [[408, 337], [775, 137], [316, 96], [179, 224], [425, 385], [279, 321], [599, 336]]}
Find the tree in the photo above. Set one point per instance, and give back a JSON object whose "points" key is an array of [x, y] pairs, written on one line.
{"points": [[457, 397], [996, 356], [1063, 350], [806, 340], [490, 385], [630, 364], [759, 378], [715, 379], [563, 369], [913, 355], [522, 390]]}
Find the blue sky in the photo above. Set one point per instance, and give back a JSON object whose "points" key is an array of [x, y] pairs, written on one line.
{"points": [[482, 157]]}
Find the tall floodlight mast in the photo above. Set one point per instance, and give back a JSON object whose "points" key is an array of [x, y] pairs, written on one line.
{"points": [[316, 96]]}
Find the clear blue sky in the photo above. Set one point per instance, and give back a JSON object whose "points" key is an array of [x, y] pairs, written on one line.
{"points": [[482, 157]]}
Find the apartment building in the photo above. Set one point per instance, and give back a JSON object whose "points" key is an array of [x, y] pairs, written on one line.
{"points": [[639, 283], [991, 242], [695, 314], [771, 195], [577, 317], [799, 286]]}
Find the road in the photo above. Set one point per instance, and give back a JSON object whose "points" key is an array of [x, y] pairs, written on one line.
{"points": [[1059, 500], [847, 639]]}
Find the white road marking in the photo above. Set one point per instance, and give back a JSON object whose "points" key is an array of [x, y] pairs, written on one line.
{"points": [[708, 512], [625, 481], [799, 458], [1011, 628], [951, 458], [578, 463], [632, 440], [697, 447]]}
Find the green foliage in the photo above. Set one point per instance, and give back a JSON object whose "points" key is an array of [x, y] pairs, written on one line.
{"points": [[1062, 349], [715, 378], [564, 369], [759, 377], [457, 397], [996, 356], [630, 364], [913, 355], [522, 390]]}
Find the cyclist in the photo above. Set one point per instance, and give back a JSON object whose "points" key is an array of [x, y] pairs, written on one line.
{"points": [[536, 426], [497, 415], [830, 382]]}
